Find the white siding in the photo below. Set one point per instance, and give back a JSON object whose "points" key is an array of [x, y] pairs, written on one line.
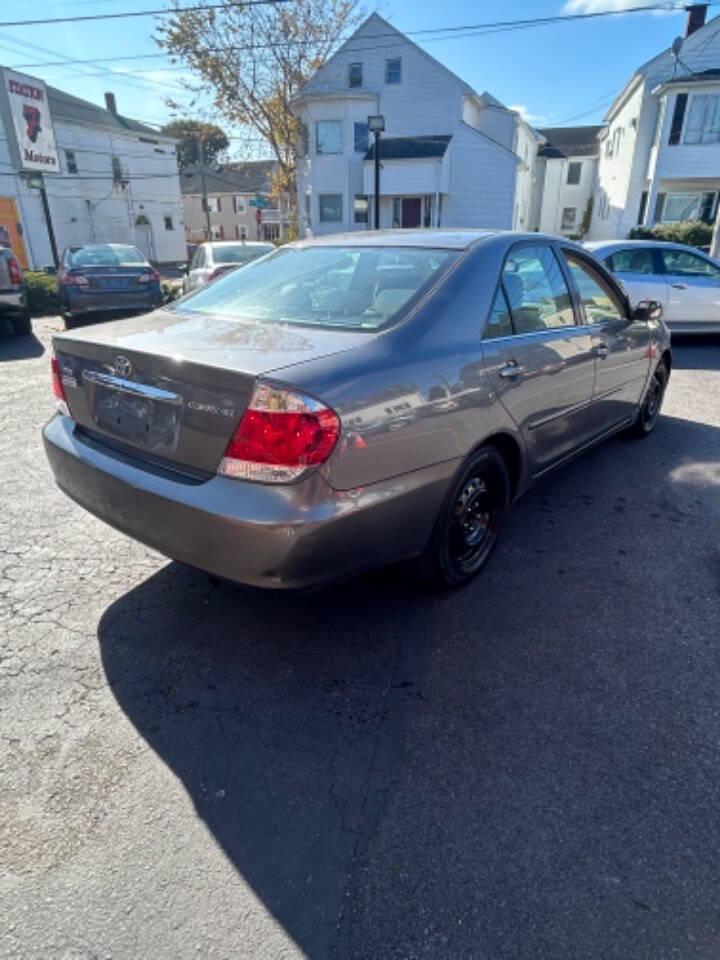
{"points": [[558, 194]]}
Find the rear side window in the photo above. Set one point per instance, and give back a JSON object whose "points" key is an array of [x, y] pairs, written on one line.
{"points": [[536, 290], [499, 322], [599, 302], [632, 261], [685, 264]]}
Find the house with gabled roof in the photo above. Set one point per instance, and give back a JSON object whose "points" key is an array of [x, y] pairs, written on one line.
{"points": [[659, 157], [565, 179], [449, 156]]}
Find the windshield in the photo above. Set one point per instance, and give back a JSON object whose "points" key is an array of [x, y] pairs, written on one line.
{"points": [[361, 287], [239, 253], [105, 255]]}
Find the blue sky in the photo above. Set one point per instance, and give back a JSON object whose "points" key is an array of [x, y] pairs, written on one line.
{"points": [[563, 73]]}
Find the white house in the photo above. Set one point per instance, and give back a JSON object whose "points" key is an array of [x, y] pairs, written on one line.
{"points": [[449, 156], [660, 148], [116, 181], [565, 179]]}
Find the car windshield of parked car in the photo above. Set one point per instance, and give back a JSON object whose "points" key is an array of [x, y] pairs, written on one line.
{"points": [[237, 253], [105, 255], [351, 287]]}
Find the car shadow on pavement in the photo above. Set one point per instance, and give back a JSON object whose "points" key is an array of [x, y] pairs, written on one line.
{"points": [[18, 348], [525, 767], [696, 352]]}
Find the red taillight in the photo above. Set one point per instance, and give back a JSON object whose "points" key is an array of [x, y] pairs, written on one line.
{"points": [[281, 434], [214, 275], [58, 388], [149, 276], [74, 280], [14, 270]]}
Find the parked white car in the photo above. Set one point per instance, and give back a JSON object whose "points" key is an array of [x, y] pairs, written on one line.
{"points": [[684, 280], [212, 259]]}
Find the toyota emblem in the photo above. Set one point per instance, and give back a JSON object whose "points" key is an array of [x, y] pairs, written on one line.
{"points": [[123, 367]]}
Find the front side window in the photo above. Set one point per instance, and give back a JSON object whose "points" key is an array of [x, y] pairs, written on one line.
{"points": [[361, 137], [71, 161], [599, 304], [329, 136], [573, 173], [685, 264], [393, 70], [355, 75], [568, 218], [536, 290], [360, 208], [499, 322], [351, 287], [330, 207], [702, 124], [632, 261]]}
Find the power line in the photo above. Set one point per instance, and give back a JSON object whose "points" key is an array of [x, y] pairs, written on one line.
{"points": [[136, 13]]}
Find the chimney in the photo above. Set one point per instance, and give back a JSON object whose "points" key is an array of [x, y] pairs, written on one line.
{"points": [[112, 105], [696, 17]]}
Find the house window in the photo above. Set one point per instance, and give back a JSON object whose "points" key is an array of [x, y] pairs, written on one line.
{"points": [[331, 205], [678, 117], [239, 203], [393, 70], [168, 223], [568, 218], [703, 119], [355, 75], [573, 173], [361, 137], [116, 170], [240, 231], [218, 233], [70, 161], [681, 206], [214, 205], [360, 206], [329, 136], [643, 207]]}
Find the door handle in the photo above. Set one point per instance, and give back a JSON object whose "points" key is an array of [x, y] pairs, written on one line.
{"points": [[601, 350], [511, 369], [679, 286]]}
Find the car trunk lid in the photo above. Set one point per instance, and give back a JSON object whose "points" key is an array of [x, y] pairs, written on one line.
{"points": [[173, 387]]}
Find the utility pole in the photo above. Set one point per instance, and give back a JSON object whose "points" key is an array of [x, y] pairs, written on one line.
{"points": [[204, 190], [376, 125]]}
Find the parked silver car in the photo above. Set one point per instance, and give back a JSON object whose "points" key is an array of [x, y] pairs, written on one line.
{"points": [[211, 260], [684, 280], [13, 293], [353, 400]]}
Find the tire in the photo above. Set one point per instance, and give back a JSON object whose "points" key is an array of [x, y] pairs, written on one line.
{"points": [[22, 325], [70, 322], [652, 402], [469, 523]]}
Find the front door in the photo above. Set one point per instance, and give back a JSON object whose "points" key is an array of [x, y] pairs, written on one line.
{"points": [[640, 271], [540, 363], [693, 289], [620, 345], [143, 238], [411, 211]]}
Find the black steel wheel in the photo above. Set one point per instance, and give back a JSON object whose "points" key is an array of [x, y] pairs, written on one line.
{"points": [[469, 523], [652, 402]]}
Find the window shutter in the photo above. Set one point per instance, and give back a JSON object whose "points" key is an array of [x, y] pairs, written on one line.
{"points": [[234, 204], [678, 117], [219, 205], [643, 207], [222, 230], [659, 204]]}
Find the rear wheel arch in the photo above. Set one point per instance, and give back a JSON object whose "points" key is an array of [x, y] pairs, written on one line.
{"points": [[511, 452], [666, 358]]}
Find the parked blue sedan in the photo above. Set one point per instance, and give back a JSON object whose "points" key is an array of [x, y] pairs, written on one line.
{"points": [[112, 278]]}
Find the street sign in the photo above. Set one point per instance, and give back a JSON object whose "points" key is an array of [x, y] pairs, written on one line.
{"points": [[260, 202], [25, 109]]}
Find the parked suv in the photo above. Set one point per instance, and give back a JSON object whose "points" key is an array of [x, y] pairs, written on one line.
{"points": [[13, 294]]}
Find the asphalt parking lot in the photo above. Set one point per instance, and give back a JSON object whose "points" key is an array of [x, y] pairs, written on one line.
{"points": [[526, 769]]}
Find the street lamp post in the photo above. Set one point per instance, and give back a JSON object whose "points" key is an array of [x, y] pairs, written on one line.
{"points": [[376, 125]]}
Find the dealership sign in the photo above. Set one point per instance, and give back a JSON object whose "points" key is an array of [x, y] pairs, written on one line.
{"points": [[26, 110]]}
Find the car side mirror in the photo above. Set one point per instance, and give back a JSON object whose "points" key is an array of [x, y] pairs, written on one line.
{"points": [[183, 267], [647, 310]]}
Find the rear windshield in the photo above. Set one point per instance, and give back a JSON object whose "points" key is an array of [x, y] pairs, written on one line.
{"points": [[240, 253], [104, 255], [351, 287]]}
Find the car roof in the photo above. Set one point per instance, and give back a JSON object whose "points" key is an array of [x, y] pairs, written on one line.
{"points": [[455, 239], [238, 243], [607, 245]]}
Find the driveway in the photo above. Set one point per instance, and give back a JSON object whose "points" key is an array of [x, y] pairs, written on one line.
{"points": [[526, 769]]}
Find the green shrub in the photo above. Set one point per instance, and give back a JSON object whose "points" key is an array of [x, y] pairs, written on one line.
{"points": [[695, 233], [171, 290], [42, 295]]}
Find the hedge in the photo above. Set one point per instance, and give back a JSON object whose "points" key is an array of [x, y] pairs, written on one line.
{"points": [[695, 233], [42, 295]]}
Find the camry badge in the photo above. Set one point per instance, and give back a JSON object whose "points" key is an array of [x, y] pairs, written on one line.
{"points": [[123, 367]]}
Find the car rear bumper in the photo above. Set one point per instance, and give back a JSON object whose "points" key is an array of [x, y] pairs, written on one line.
{"points": [[13, 301], [96, 301], [283, 537]]}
